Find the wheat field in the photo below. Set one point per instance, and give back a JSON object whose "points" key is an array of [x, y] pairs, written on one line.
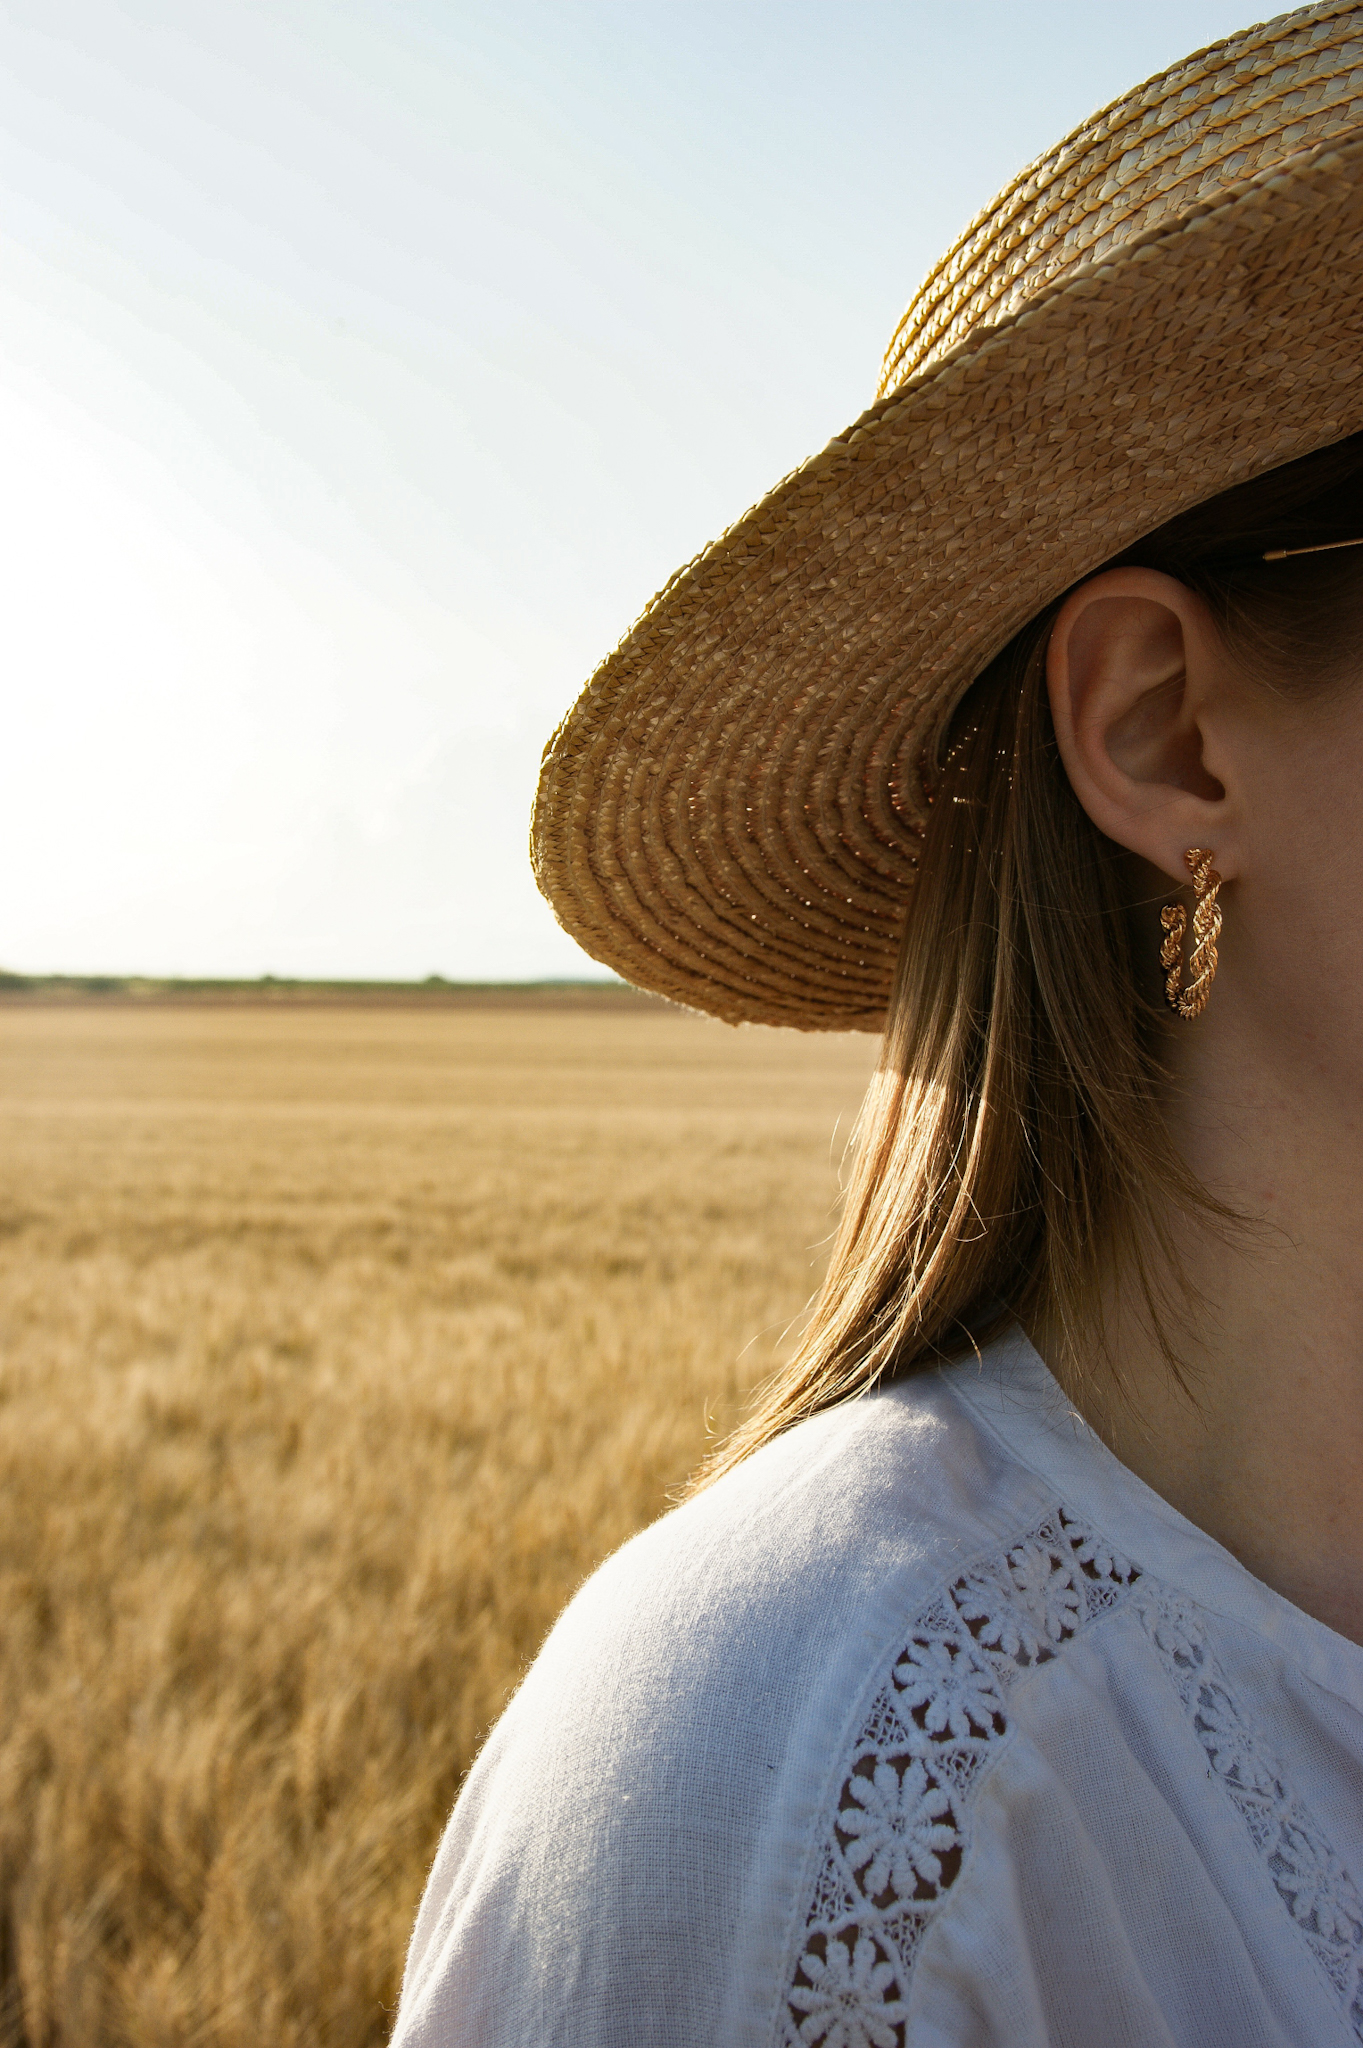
{"points": [[337, 1344]]}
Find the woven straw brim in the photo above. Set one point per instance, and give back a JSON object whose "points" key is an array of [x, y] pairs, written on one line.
{"points": [[730, 813]]}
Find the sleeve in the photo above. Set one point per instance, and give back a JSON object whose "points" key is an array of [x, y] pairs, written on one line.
{"points": [[629, 1862], [597, 1881]]}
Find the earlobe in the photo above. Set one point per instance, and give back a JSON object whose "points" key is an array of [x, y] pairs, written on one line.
{"points": [[1128, 665]]}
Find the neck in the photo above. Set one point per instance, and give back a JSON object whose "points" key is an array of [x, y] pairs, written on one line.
{"points": [[1263, 1448]]}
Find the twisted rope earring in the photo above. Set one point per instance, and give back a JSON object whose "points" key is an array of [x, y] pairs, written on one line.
{"points": [[1191, 1001]]}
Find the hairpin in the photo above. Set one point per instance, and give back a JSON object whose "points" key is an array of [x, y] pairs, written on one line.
{"points": [[1321, 548]]}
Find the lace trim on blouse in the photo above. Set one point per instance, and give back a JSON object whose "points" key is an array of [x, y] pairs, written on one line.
{"points": [[901, 1830]]}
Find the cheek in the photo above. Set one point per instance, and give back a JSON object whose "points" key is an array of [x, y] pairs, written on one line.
{"points": [[1303, 885], [1321, 778], [1304, 781]]}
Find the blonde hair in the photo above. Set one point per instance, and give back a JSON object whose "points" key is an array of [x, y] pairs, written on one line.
{"points": [[1012, 1137]]}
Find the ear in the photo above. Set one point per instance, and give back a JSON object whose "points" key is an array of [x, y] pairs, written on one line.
{"points": [[1140, 685]]}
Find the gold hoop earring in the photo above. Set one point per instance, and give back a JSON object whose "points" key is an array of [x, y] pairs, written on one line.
{"points": [[1191, 1001]]}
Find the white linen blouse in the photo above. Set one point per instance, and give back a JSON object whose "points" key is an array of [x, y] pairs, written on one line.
{"points": [[930, 1724]]}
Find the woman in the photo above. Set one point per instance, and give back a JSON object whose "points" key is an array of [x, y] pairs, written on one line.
{"points": [[1016, 1701]]}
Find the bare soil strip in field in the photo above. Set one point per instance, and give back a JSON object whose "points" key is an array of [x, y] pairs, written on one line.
{"points": [[337, 1345]]}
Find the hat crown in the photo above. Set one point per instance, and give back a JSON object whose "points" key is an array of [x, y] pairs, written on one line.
{"points": [[1172, 146]]}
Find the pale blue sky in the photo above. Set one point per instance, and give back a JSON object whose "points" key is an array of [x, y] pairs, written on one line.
{"points": [[364, 367]]}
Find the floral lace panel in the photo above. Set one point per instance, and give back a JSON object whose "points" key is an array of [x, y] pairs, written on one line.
{"points": [[900, 1832], [901, 1829], [1308, 1877]]}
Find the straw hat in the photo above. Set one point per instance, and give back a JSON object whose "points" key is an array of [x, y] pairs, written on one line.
{"points": [[1166, 304]]}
